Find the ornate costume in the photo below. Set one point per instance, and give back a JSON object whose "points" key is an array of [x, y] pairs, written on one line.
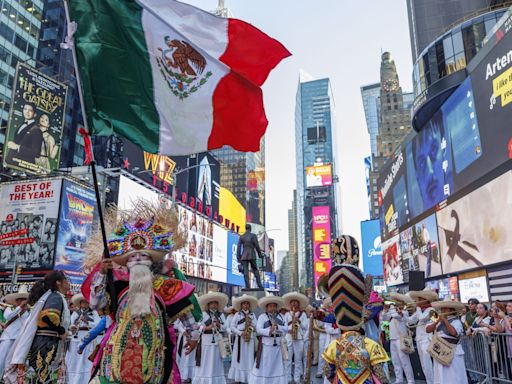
{"points": [[352, 358], [138, 348]]}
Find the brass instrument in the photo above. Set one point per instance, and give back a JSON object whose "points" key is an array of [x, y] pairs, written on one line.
{"points": [[436, 316], [273, 323], [295, 327], [249, 329], [5, 305]]}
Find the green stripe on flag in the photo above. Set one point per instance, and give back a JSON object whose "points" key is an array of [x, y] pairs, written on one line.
{"points": [[116, 71]]}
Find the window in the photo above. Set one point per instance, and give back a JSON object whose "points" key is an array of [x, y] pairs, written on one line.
{"points": [[6, 32], [20, 43], [316, 135]]}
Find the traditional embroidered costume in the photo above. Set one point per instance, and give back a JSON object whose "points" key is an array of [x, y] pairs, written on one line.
{"points": [[298, 323], [243, 326], [352, 358], [139, 349]]}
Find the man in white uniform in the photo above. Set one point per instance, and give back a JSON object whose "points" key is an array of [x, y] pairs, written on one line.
{"points": [[297, 322], [243, 328], [269, 367], [15, 317], [420, 319], [397, 327]]}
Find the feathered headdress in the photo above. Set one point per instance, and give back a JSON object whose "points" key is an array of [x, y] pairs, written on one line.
{"points": [[147, 226]]}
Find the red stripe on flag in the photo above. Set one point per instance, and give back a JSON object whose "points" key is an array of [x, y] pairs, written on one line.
{"points": [[238, 115], [251, 53]]}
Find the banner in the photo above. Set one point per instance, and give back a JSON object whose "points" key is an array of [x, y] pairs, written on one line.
{"points": [[371, 248], [319, 175], [77, 213], [419, 248], [28, 224], [36, 119], [474, 288], [321, 235], [234, 277], [269, 281], [475, 231], [391, 261]]}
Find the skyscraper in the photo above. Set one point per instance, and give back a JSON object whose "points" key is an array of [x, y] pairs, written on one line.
{"points": [[430, 18], [370, 95], [292, 242], [315, 135]]}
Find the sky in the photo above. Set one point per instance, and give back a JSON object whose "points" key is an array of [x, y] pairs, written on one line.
{"points": [[339, 39]]}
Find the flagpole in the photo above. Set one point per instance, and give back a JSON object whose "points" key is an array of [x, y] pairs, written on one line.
{"points": [[106, 254]]}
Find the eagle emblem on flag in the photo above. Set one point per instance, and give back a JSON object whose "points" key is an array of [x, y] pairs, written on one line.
{"points": [[182, 67]]}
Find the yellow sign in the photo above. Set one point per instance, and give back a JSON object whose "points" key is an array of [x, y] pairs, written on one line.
{"points": [[231, 209], [502, 86], [319, 234], [325, 252], [389, 214]]}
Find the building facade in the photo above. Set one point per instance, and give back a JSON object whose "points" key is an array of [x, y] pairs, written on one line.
{"points": [[315, 138], [292, 242], [371, 104]]}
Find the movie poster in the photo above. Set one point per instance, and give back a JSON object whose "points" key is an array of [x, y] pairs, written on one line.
{"points": [[77, 213], [28, 225], [391, 261], [34, 131], [475, 231]]}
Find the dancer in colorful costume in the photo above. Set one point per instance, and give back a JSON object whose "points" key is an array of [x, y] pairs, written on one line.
{"points": [[352, 358], [139, 347]]}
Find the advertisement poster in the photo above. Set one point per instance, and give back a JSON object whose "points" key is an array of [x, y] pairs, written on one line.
{"points": [[391, 261], [419, 247], [321, 228], [76, 219], [233, 275], [475, 231], [319, 175], [371, 248], [445, 287], [36, 119], [28, 224], [474, 288], [269, 281], [220, 253]]}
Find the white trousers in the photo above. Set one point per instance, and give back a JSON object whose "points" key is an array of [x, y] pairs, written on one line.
{"points": [[401, 364], [295, 349], [425, 359], [322, 344]]}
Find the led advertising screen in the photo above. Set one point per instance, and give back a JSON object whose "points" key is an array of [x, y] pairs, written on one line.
{"points": [[474, 231], [234, 277], [371, 248], [445, 287], [319, 175], [419, 247], [28, 224], [391, 261], [321, 235], [474, 288], [77, 213], [36, 120]]}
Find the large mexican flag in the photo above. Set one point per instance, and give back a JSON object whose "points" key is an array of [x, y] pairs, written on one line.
{"points": [[170, 77]]}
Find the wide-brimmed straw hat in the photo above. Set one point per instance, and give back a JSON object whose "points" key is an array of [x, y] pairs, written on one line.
{"points": [[426, 294], [401, 298], [448, 303], [221, 298], [12, 297], [237, 302], [302, 299], [77, 299], [264, 301]]}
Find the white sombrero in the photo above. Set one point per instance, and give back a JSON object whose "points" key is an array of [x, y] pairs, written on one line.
{"points": [[77, 299], [264, 301], [229, 309], [237, 302], [401, 298], [426, 294], [21, 294], [221, 298], [302, 299], [448, 303]]}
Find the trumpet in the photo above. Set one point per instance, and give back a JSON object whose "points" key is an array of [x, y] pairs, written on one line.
{"points": [[436, 316], [5, 305]]}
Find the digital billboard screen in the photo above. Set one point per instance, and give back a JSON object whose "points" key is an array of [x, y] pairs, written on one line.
{"points": [[319, 175], [391, 261], [321, 228], [371, 247], [474, 288], [474, 231]]}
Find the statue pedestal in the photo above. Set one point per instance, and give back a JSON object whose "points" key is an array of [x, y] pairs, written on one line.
{"points": [[258, 293]]}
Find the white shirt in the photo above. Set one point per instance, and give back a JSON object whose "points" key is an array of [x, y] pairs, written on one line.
{"points": [[303, 321], [421, 319], [263, 328], [14, 329], [238, 328], [397, 323]]}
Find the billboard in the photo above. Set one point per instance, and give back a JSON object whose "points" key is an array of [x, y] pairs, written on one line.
{"points": [[28, 224], [321, 236], [474, 288], [474, 231], [130, 191], [233, 275], [445, 287], [371, 247], [77, 213], [319, 175], [36, 119], [391, 261], [231, 211], [419, 249], [269, 281]]}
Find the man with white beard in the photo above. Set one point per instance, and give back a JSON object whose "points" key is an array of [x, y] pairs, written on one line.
{"points": [[139, 347]]}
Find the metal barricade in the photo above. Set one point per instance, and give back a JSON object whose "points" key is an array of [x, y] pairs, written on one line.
{"points": [[501, 357]]}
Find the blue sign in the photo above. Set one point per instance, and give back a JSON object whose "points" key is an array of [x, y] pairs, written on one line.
{"points": [[371, 248], [269, 281], [234, 277], [77, 213]]}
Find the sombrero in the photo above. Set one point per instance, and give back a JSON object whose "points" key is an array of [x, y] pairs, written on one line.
{"points": [[401, 298], [237, 302], [426, 294], [302, 299], [221, 298], [21, 294], [77, 299], [448, 303], [264, 301]]}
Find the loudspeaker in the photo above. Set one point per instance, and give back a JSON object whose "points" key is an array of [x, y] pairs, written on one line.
{"points": [[416, 280]]}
